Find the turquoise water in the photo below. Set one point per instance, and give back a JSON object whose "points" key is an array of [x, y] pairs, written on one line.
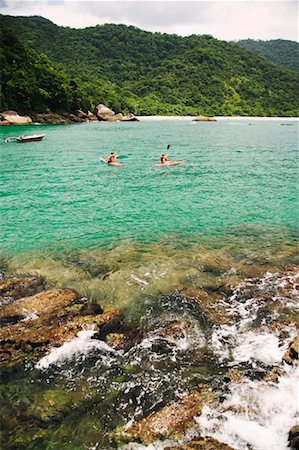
{"points": [[56, 192]]}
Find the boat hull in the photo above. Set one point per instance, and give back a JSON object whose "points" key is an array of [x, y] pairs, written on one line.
{"points": [[24, 139]]}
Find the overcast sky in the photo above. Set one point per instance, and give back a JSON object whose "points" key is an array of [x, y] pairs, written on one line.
{"points": [[228, 20]]}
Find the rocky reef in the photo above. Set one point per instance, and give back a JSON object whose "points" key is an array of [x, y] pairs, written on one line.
{"points": [[186, 372], [102, 113]]}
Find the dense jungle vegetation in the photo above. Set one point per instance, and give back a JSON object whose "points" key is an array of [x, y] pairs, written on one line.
{"points": [[29, 83], [277, 51], [142, 72]]}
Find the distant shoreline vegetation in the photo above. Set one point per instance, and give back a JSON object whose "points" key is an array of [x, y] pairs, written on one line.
{"points": [[50, 69]]}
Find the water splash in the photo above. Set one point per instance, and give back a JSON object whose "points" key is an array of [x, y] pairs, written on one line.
{"points": [[81, 345]]}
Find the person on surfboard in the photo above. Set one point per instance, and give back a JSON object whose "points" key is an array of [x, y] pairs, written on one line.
{"points": [[112, 158], [164, 159]]}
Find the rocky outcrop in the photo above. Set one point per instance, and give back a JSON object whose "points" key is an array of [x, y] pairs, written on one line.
{"points": [[130, 118], [103, 112], [200, 443], [32, 325], [204, 119], [55, 118], [292, 353], [91, 117], [13, 118], [172, 420], [108, 115]]}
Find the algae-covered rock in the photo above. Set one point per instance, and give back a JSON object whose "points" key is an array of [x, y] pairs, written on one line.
{"points": [[211, 304], [200, 443], [41, 303], [172, 420], [16, 288], [177, 330], [292, 353], [35, 324], [274, 375], [91, 309], [233, 376]]}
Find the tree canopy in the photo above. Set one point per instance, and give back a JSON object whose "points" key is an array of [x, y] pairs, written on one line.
{"points": [[132, 70]]}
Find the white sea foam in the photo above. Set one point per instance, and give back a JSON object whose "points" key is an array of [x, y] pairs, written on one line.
{"points": [[258, 347], [82, 344], [255, 414]]}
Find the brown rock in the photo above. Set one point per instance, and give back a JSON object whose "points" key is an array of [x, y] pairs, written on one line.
{"points": [[274, 375], [234, 376], [292, 353], [20, 287], [211, 304], [115, 118], [56, 118], [200, 443], [102, 112], [177, 330], [130, 118], [91, 309], [81, 114], [172, 420], [204, 119], [42, 303], [91, 116], [13, 118]]}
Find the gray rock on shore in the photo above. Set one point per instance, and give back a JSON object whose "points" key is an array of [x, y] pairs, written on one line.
{"points": [[13, 118], [108, 115], [204, 119]]}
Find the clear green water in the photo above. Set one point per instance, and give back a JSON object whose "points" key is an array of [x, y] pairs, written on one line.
{"points": [[55, 193]]}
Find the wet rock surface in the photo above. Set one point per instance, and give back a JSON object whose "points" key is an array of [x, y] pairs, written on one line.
{"points": [[15, 288], [201, 443], [172, 420], [292, 354], [32, 325], [222, 332]]}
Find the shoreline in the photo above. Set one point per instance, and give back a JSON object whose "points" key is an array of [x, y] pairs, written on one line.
{"points": [[218, 118]]}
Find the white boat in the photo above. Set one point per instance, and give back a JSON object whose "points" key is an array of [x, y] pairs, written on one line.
{"points": [[23, 138]]}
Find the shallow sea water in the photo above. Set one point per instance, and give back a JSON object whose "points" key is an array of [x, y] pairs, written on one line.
{"points": [[55, 193]]}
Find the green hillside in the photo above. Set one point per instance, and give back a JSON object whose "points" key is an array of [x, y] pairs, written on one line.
{"points": [[278, 51], [29, 83], [152, 73]]}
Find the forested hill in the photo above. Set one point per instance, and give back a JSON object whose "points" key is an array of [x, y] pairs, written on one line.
{"points": [[151, 73], [278, 51], [30, 83]]}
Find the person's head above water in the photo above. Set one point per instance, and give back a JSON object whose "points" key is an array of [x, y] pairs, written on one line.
{"points": [[168, 147]]}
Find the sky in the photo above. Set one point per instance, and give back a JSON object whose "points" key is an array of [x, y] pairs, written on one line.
{"points": [[226, 20]]}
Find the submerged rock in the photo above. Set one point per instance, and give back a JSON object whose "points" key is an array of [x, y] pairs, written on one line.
{"points": [[16, 288], [210, 304], [91, 309], [172, 420], [200, 443]]}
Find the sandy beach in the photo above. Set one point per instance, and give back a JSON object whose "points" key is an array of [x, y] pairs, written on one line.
{"points": [[218, 118]]}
